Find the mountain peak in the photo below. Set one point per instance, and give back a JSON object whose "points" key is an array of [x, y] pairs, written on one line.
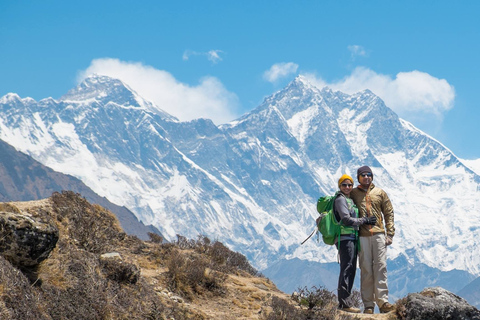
{"points": [[95, 78], [302, 81], [14, 98], [105, 89], [97, 87], [301, 78], [300, 86], [10, 97]]}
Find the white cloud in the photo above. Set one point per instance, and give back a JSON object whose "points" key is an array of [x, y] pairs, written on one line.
{"points": [[280, 70], [209, 99], [186, 54], [357, 50], [212, 55], [409, 94]]}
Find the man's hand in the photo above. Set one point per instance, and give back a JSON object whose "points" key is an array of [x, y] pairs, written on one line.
{"points": [[371, 220]]}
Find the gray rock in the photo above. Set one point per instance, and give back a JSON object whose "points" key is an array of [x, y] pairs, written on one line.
{"points": [[438, 303], [111, 255], [25, 241]]}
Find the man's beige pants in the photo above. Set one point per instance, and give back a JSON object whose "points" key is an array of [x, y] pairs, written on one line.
{"points": [[373, 270]]}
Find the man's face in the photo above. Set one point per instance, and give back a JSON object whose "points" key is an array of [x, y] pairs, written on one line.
{"points": [[365, 178]]}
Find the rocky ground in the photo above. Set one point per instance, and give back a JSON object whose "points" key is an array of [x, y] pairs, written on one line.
{"points": [[96, 271]]}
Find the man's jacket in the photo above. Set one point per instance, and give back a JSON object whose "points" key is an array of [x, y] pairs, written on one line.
{"points": [[376, 203]]}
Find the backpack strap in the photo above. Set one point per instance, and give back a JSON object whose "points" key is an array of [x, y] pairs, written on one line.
{"points": [[311, 234], [338, 194], [339, 221]]}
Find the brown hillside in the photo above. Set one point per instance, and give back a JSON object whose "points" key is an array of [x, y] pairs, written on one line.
{"points": [[97, 271]]}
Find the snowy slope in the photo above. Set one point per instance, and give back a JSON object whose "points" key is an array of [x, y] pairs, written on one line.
{"points": [[252, 183], [473, 164]]}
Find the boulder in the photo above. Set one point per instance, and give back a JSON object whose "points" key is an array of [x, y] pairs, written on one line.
{"points": [[25, 241], [437, 303]]}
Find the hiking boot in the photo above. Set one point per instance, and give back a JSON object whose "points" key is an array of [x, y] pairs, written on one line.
{"points": [[368, 310], [386, 307], [350, 309]]}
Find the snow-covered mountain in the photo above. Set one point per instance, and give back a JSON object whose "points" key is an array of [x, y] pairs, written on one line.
{"points": [[24, 179], [253, 183], [473, 164]]}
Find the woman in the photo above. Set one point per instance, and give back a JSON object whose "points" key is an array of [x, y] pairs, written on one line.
{"points": [[346, 214]]}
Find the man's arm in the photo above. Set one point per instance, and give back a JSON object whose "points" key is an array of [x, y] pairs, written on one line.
{"points": [[387, 210]]}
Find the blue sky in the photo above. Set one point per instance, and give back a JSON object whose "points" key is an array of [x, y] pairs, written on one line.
{"points": [[220, 59]]}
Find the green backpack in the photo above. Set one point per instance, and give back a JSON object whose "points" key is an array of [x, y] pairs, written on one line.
{"points": [[327, 223]]}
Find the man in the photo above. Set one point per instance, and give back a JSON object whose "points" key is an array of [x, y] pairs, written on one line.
{"points": [[373, 201]]}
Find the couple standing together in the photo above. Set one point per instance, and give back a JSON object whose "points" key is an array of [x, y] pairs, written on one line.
{"points": [[374, 224]]}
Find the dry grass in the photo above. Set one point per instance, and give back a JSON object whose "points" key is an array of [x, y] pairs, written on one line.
{"points": [[401, 308]]}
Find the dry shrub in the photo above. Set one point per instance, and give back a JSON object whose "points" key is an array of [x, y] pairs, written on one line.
{"points": [[159, 254], [318, 297], [226, 260], [18, 299], [77, 284], [178, 312], [203, 244], [355, 299], [155, 238], [282, 310], [185, 243], [216, 255], [401, 308], [156, 312], [91, 294], [320, 303], [120, 271], [84, 296], [176, 275], [94, 228], [189, 275]]}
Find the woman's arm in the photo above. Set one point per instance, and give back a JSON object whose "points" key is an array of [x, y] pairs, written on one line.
{"points": [[341, 208]]}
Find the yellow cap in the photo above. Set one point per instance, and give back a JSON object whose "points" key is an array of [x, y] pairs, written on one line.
{"points": [[343, 178]]}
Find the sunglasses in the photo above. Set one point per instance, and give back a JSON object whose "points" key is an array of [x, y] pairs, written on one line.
{"points": [[346, 185], [368, 174]]}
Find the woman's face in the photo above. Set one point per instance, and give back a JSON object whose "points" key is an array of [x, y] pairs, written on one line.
{"points": [[346, 186]]}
